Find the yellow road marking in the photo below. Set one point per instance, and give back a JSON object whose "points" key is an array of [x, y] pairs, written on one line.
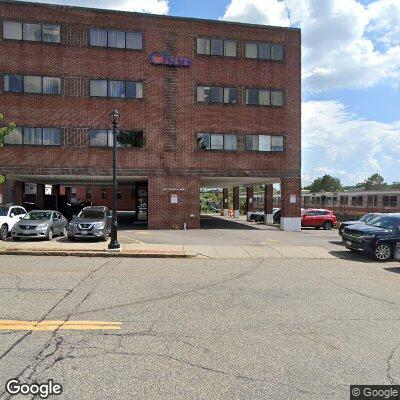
{"points": [[55, 325]]}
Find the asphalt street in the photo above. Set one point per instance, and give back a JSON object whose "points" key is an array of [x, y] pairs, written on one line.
{"points": [[202, 329]]}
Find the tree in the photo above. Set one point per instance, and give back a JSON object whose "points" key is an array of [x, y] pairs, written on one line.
{"points": [[374, 182], [5, 130], [395, 185], [326, 183]]}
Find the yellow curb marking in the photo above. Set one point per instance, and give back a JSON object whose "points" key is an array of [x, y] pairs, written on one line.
{"points": [[56, 325]]}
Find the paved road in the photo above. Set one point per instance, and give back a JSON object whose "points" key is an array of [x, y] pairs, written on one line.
{"points": [[220, 231], [202, 329]]}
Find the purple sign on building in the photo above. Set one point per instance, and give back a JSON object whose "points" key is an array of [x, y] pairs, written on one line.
{"points": [[164, 58]]}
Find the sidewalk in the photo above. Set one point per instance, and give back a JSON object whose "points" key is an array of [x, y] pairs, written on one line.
{"points": [[99, 249]]}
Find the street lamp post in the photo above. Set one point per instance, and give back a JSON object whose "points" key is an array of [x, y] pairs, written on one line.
{"points": [[114, 245]]}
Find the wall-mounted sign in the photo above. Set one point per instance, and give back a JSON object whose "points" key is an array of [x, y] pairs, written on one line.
{"points": [[159, 58], [174, 199], [293, 199]]}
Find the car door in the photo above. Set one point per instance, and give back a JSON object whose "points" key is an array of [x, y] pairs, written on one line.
{"points": [[320, 218], [13, 217], [309, 219], [61, 222]]}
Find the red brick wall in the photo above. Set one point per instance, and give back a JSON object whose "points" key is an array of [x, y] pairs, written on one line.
{"points": [[165, 215], [290, 186], [168, 113]]}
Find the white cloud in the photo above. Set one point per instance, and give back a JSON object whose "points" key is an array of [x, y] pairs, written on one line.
{"points": [[147, 6], [339, 143], [345, 44]]}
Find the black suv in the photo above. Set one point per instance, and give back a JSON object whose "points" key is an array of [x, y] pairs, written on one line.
{"points": [[363, 220], [377, 237]]}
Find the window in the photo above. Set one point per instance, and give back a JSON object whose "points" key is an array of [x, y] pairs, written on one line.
{"points": [[12, 30], [277, 52], [134, 90], [373, 200], [13, 83], [216, 47], [215, 94], [264, 143], [98, 138], [357, 201], [276, 98], [104, 192], [118, 89], [389, 201], [115, 39], [125, 138], [51, 137], [98, 88], [33, 84], [32, 32], [264, 51], [134, 40], [51, 33], [32, 136], [276, 143], [119, 194], [230, 48], [264, 97], [98, 37], [88, 193], [230, 95], [216, 141], [51, 85], [14, 137], [230, 142]]}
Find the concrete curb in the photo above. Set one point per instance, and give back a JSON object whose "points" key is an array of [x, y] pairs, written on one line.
{"points": [[104, 253]]}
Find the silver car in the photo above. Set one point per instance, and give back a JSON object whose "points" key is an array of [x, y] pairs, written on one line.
{"points": [[43, 224], [92, 222]]}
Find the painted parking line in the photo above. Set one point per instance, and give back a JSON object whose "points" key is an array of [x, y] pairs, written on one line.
{"points": [[34, 326], [130, 238]]}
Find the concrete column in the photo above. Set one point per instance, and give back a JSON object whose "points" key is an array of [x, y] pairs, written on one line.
{"points": [[40, 195], [225, 203], [9, 190], [291, 204], [236, 202], [268, 203], [14, 191], [249, 201]]}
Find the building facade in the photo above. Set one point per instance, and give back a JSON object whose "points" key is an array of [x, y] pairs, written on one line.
{"points": [[202, 103]]}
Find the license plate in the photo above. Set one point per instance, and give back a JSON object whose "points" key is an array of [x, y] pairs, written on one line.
{"points": [[348, 242], [84, 232]]}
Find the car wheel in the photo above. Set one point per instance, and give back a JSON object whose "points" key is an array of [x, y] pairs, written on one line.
{"points": [[3, 232], [50, 235], [317, 227], [383, 252], [327, 225], [71, 238]]}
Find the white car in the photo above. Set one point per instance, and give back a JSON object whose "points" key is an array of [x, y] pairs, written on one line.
{"points": [[9, 215]]}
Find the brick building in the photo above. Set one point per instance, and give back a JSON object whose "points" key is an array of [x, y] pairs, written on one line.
{"points": [[202, 103]]}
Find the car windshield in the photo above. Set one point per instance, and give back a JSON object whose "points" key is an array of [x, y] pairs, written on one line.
{"points": [[390, 223], [4, 211], [38, 215], [367, 217], [90, 213]]}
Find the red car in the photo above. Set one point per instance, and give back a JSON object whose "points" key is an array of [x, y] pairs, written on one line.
{"points": [[318, 218]]}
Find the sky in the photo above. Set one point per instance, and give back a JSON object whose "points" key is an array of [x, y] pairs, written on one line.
{"points": [[350, 75]]}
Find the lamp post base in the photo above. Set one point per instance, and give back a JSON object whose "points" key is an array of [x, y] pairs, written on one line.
{"points": [[114, 246]]}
